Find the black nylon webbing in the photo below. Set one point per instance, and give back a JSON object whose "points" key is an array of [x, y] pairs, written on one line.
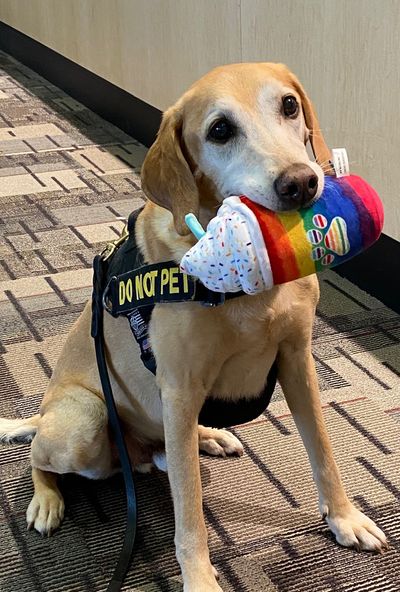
{"points": [[99, 269]]}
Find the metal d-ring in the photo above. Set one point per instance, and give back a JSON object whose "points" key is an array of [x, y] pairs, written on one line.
{"points": [[104, 300]]}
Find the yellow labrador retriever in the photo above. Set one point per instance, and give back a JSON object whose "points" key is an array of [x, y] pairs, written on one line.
{"points": [[241, 129]]}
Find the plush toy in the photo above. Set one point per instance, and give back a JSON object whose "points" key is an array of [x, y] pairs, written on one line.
{"points": [[247, 247]]}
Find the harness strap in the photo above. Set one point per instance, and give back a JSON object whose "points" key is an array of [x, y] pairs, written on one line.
{"points": [[154, 284], [97, 331], [139, 320]]}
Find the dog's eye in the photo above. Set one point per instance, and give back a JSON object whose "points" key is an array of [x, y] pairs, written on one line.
{"points": [[221, 131], [290, 106]]}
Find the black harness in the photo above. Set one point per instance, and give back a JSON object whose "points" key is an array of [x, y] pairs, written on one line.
{"points": [[125, 285]]}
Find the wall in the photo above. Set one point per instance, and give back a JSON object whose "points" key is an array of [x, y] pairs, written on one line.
{"points": [[151, 48], [345, 52]]}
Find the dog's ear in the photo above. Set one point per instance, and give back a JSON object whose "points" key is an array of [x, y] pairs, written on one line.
{"points": [[166, 176], [320, 149]]}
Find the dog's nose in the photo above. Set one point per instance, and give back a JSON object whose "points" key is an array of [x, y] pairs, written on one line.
{"points": [[297, 185]]}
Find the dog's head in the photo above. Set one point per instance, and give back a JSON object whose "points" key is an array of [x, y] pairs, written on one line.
{"points": [[241, 129]]}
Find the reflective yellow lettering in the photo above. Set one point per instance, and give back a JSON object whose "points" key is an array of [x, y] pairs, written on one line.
{"points": [[147, 283], [153, 274], [122, 293], [139, 287], [128, 289], [164, 279], [185, 283], [173, 280]]}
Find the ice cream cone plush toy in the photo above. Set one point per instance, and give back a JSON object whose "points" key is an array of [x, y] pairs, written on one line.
{"points": [[247, 247]]}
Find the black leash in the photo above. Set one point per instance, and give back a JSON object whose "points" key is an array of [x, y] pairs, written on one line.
{"points": [[99, 277]]}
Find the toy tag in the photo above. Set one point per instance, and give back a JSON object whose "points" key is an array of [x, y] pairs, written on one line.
{"points": [[340, 162]]}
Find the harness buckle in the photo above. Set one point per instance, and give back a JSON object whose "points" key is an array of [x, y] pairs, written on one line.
{"points": [[212, 303], [210, 299], [112, 246]]}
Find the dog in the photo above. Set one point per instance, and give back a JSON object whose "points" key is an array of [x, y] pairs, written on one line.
{"points": [[241, 129]]}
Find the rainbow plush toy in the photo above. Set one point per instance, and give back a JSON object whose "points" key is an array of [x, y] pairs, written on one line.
{"points": [[247, 247]]}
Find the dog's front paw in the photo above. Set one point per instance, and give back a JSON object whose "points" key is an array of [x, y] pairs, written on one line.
{"points": [[45, 512], [199, 576], [352, 528], [219, 442]]}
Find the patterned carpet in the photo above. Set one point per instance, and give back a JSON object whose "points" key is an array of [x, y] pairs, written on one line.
{"points": [[67, 179]]}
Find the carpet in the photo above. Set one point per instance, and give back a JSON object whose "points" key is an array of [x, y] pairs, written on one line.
{"points": [[68, 179]]}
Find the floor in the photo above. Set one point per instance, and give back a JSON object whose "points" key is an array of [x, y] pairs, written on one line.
{"points": [[68, 179]]}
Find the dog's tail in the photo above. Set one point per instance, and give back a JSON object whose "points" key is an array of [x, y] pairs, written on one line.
{"points": [[18, 430]]}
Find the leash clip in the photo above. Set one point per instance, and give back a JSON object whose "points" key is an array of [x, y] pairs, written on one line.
{"points": [[112, 246]]}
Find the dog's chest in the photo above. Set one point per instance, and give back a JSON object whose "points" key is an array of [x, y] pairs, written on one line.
{"points": [[261, 323], [253, 349]]}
